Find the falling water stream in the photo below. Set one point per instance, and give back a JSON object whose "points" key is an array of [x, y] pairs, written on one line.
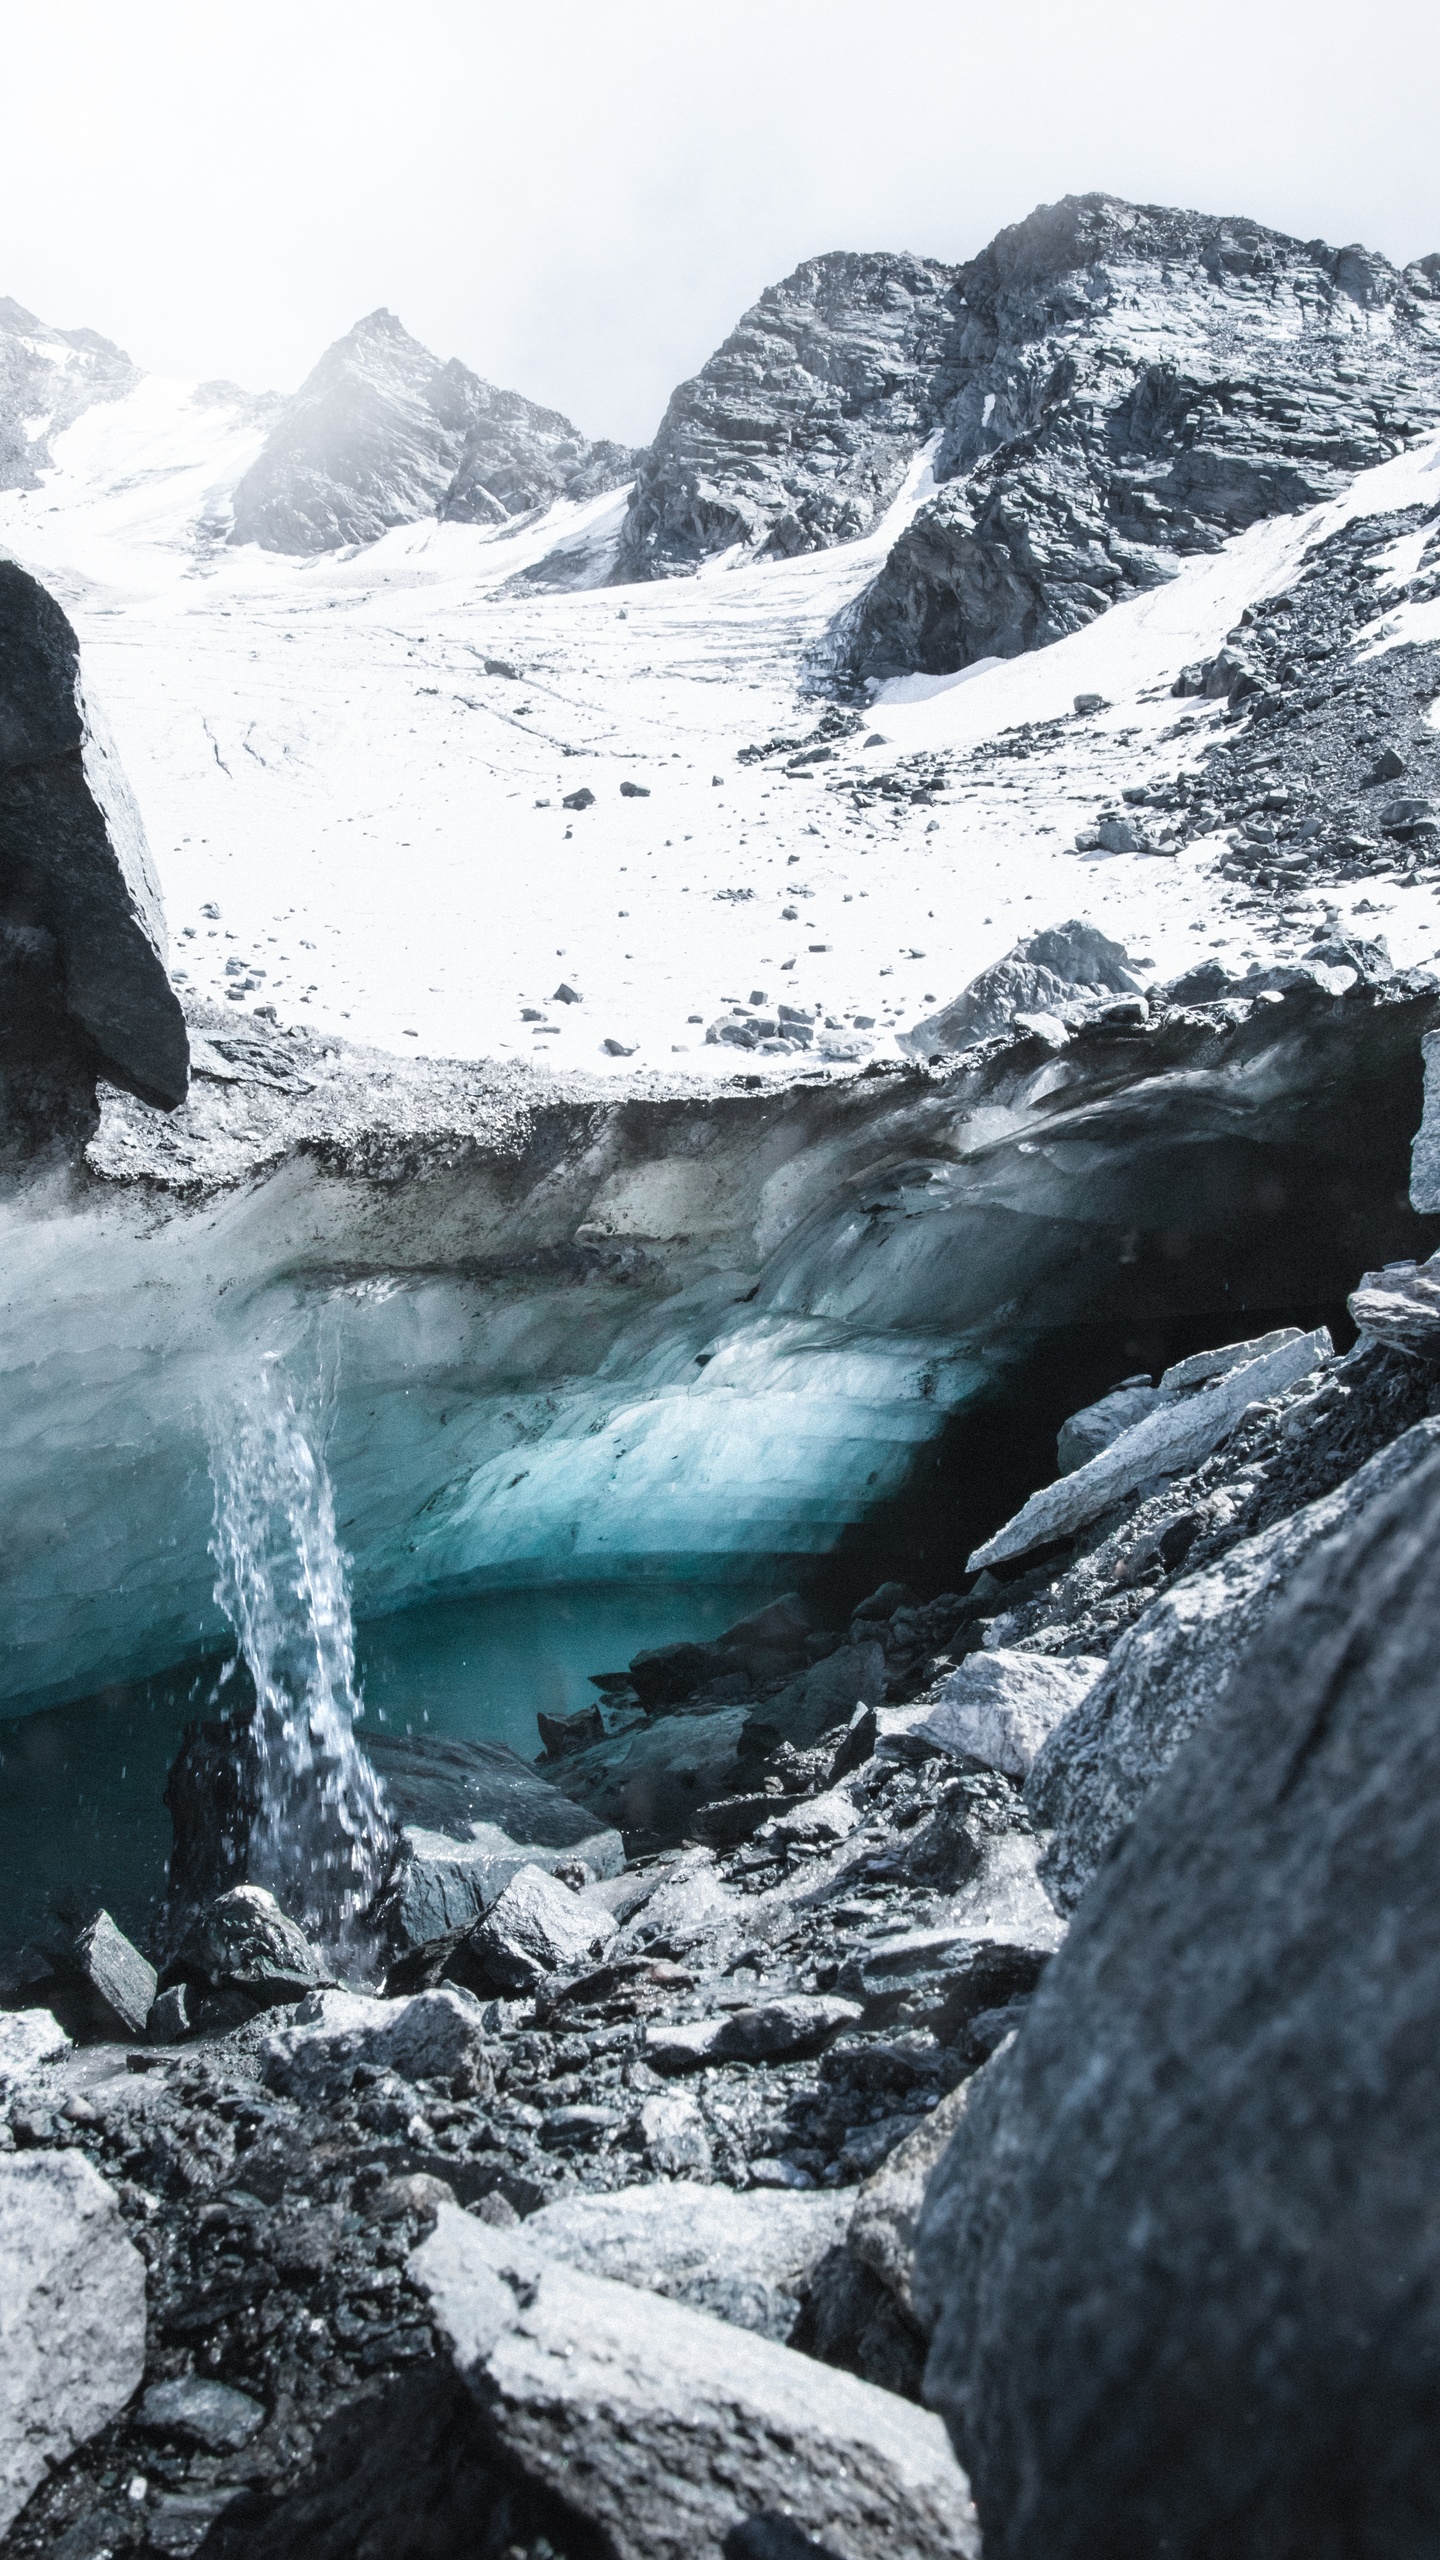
{"points": [[319, 1834]]}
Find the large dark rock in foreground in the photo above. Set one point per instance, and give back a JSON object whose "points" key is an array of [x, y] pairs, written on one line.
{"points": [[83, 982], [1131, 383], [1184, 2247], [381, 433]]}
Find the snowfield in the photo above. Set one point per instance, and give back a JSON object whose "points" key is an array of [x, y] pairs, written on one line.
{"points": [[358, 825]]}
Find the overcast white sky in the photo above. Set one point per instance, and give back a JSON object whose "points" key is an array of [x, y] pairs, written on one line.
{"points": [[579, 197]]}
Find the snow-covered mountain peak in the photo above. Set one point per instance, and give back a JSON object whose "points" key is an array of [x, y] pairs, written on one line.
{"points": [[383, 433], [47, 378]]}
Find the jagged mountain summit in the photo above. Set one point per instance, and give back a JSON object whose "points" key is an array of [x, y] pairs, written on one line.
{"points": [[47, 377], [381, 433], [800, 429], [1106, 387], [1136, 383]]}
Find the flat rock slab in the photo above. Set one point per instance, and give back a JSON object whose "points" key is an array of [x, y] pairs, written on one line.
{"points": [[1182, 1430], [666, 2430], [72, 2315], [210, 2414], [772, 2032], [744, 2259], [939, 1979]]}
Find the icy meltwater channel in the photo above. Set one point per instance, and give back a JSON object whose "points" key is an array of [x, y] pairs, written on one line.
{"points": [[82, 1814]]}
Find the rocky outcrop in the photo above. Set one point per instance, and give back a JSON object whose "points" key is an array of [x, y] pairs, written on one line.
{"points": [[1182, 2243], [664, 2447], [800, 429], [1063, 975], [83, 984], [48, 377], [72, 2316], [381, 433], [1173, 1669], [1133, 383]]}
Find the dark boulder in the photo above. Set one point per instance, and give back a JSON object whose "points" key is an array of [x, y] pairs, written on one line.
{"points": [[1184, 2247], [83, 982]]}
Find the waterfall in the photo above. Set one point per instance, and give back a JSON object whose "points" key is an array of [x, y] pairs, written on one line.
{"points": [[319, 1835]]}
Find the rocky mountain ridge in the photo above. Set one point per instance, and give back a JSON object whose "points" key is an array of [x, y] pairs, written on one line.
{"points": [[382, 433], [48, 377]]}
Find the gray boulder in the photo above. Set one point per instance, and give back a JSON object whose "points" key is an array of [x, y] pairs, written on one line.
{"points": [[119, 1982], [650, 1779], [28, 2039], [666, 2431], [210, 2414], [72, 2316], [1183, 1428], [471, 1815], [83, 936], [1083, 1435], [1065, 966], [1171, 1670], [885, 2222], [937, 1980], [1401, 1305], [534, 1928], [245, 1939], [999, 1707], [773, 2031], [434, 2035], [745, 2259], [1184, 2245]]}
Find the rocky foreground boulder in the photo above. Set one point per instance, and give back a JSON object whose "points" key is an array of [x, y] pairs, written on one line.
{"points": [[1182, 2249], [84, 989]]}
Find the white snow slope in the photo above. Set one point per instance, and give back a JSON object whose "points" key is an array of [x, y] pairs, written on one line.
{"points": [[320, 756]]}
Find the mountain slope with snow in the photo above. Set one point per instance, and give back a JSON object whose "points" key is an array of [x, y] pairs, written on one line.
{"points": [[355, 764], [381, 433]]}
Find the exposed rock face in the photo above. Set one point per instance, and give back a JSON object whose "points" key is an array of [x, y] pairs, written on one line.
{"points": [[83, 982], [1184, 2240], [1173, 1669], [382, 433], [1132, 383], [47, 377], [745, 2259], [72, 2316], [799, 430]]}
